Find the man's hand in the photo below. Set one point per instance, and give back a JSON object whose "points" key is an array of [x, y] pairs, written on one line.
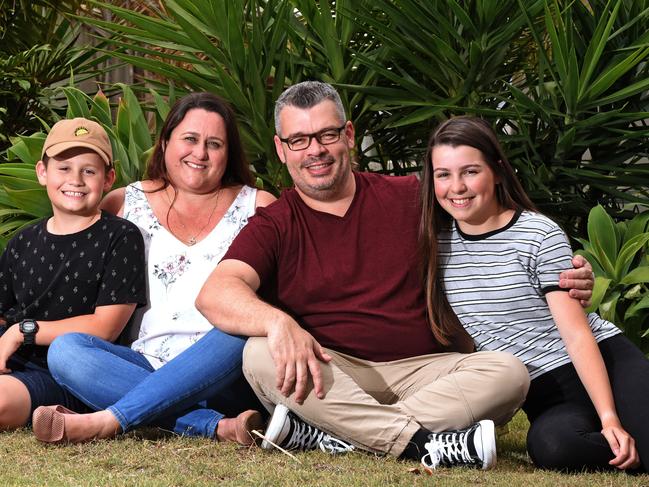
{"points": [[296, 355], [10, 341], [579, 280]]}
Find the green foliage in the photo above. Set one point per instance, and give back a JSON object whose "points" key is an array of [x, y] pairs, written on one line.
{"points": [[246, 51], [563, 82], [229, 48], [619, 255], [37, 52], [23, 200], [438, 58]]}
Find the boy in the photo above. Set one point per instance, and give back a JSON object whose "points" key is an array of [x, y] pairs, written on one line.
{"points": [[81, 270]]}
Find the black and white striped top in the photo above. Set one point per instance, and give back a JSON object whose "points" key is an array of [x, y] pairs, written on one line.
{"points": [[496, 283]]}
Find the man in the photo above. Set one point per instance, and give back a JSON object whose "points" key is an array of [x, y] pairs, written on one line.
{"points": [[345, 344]]}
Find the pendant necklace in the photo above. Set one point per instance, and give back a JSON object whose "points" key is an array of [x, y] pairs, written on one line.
{"points": [[192, 238]]}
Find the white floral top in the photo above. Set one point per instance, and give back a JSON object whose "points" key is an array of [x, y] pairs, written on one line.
{"points": [[175, 274]]}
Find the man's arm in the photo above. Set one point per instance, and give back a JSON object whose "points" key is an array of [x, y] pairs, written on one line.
{"points": [[229, 301], [579, 280]]}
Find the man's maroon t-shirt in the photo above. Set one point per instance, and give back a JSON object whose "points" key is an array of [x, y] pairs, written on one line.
{"points": [[353, 282]]}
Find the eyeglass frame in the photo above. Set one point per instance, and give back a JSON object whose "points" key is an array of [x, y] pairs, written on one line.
{"points": [[313, 135]]}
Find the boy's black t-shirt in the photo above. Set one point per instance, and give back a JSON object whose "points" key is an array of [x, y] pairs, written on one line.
{"points": [[49, 277]]}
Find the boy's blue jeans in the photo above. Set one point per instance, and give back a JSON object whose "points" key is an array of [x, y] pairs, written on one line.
{"points": [[113, 377]]}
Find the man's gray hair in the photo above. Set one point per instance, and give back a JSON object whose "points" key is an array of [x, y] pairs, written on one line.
{"points": [[306, 95]]}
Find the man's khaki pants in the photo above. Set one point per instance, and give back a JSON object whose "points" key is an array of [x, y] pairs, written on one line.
{"points": [[378, 406]]}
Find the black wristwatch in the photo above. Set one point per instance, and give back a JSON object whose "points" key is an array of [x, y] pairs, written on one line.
{"points": [[28, 328]]}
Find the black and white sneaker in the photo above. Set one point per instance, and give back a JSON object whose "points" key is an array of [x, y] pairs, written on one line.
{"points": [[290, 432], [474, 446]]}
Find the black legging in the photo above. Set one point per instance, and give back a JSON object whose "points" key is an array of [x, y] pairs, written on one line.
{"points": [[565, 430]]}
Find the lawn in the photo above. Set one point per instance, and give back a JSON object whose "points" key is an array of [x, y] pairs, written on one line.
{"points": [[148, 458]]}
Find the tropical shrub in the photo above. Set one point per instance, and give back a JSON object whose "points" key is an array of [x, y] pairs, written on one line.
{"points": [[23, 200], [246, 51], [38, 51], [619, 254], [564, 83]]}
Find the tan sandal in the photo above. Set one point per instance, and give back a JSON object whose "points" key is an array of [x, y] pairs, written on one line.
{"points": [[48, 423], [246, 422]]}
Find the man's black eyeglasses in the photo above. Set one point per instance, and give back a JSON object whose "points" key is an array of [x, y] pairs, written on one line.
{"points": [[324, 137]]}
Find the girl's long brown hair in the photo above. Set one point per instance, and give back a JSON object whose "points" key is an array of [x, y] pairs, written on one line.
{"points": [[473, 132]]}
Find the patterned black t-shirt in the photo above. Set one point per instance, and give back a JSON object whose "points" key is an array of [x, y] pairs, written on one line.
{"points": [[49, 277]]}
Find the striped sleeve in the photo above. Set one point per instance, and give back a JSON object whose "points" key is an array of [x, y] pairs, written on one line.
{"points": [[554, 256]]}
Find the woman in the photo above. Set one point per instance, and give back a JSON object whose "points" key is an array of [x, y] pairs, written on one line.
{"points": [[198, 197]]}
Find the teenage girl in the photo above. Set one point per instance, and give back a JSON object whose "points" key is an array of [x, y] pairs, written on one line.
{"points": [[497, 261]]}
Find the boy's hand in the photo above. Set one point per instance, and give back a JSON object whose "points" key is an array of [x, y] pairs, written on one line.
{"points": [[10, 341]]}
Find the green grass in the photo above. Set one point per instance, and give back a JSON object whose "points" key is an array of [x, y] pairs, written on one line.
{"points": [[146, 458]]}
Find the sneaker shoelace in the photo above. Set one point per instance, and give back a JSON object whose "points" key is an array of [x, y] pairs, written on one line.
{"points": [[447, 449], [332, 445], [307, 437], [304, 437]]}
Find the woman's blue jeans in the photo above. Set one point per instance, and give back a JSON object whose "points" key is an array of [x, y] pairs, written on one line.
{"points": [[113, 377]]}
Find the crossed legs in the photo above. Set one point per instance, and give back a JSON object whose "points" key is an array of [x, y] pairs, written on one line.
{"points": [[379, 406]]}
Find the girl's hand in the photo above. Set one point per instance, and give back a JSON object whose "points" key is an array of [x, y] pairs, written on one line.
{"points": [[622, 445], [10, 341]]}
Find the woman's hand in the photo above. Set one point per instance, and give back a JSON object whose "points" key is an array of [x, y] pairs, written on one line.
{"points": [[622, 444], [10, 341]]}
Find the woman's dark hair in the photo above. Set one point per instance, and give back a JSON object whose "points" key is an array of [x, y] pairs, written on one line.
{"points": [[237, 170], [473, 132]]}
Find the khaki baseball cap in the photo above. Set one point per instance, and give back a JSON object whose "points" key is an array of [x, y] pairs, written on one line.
{"points": [[78, 132]]}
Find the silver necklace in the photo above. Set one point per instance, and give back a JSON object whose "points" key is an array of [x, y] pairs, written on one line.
{"points": [[192, 238]]}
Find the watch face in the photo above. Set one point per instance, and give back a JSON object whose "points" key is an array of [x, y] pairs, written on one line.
{"points": [[28, 326]]}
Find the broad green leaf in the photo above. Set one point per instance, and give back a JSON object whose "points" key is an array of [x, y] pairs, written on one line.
{"points": [[608, 307], [138, 128], [78, 103], [599, 291], [123, 124], [633, 292], [601, 233], [20, 171], [10, 227], [639, 224], [100, 109], [628, 253], [161, 105], [33, 201], [592, 260], [635, 309], [27, 149], [19, 183]]}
